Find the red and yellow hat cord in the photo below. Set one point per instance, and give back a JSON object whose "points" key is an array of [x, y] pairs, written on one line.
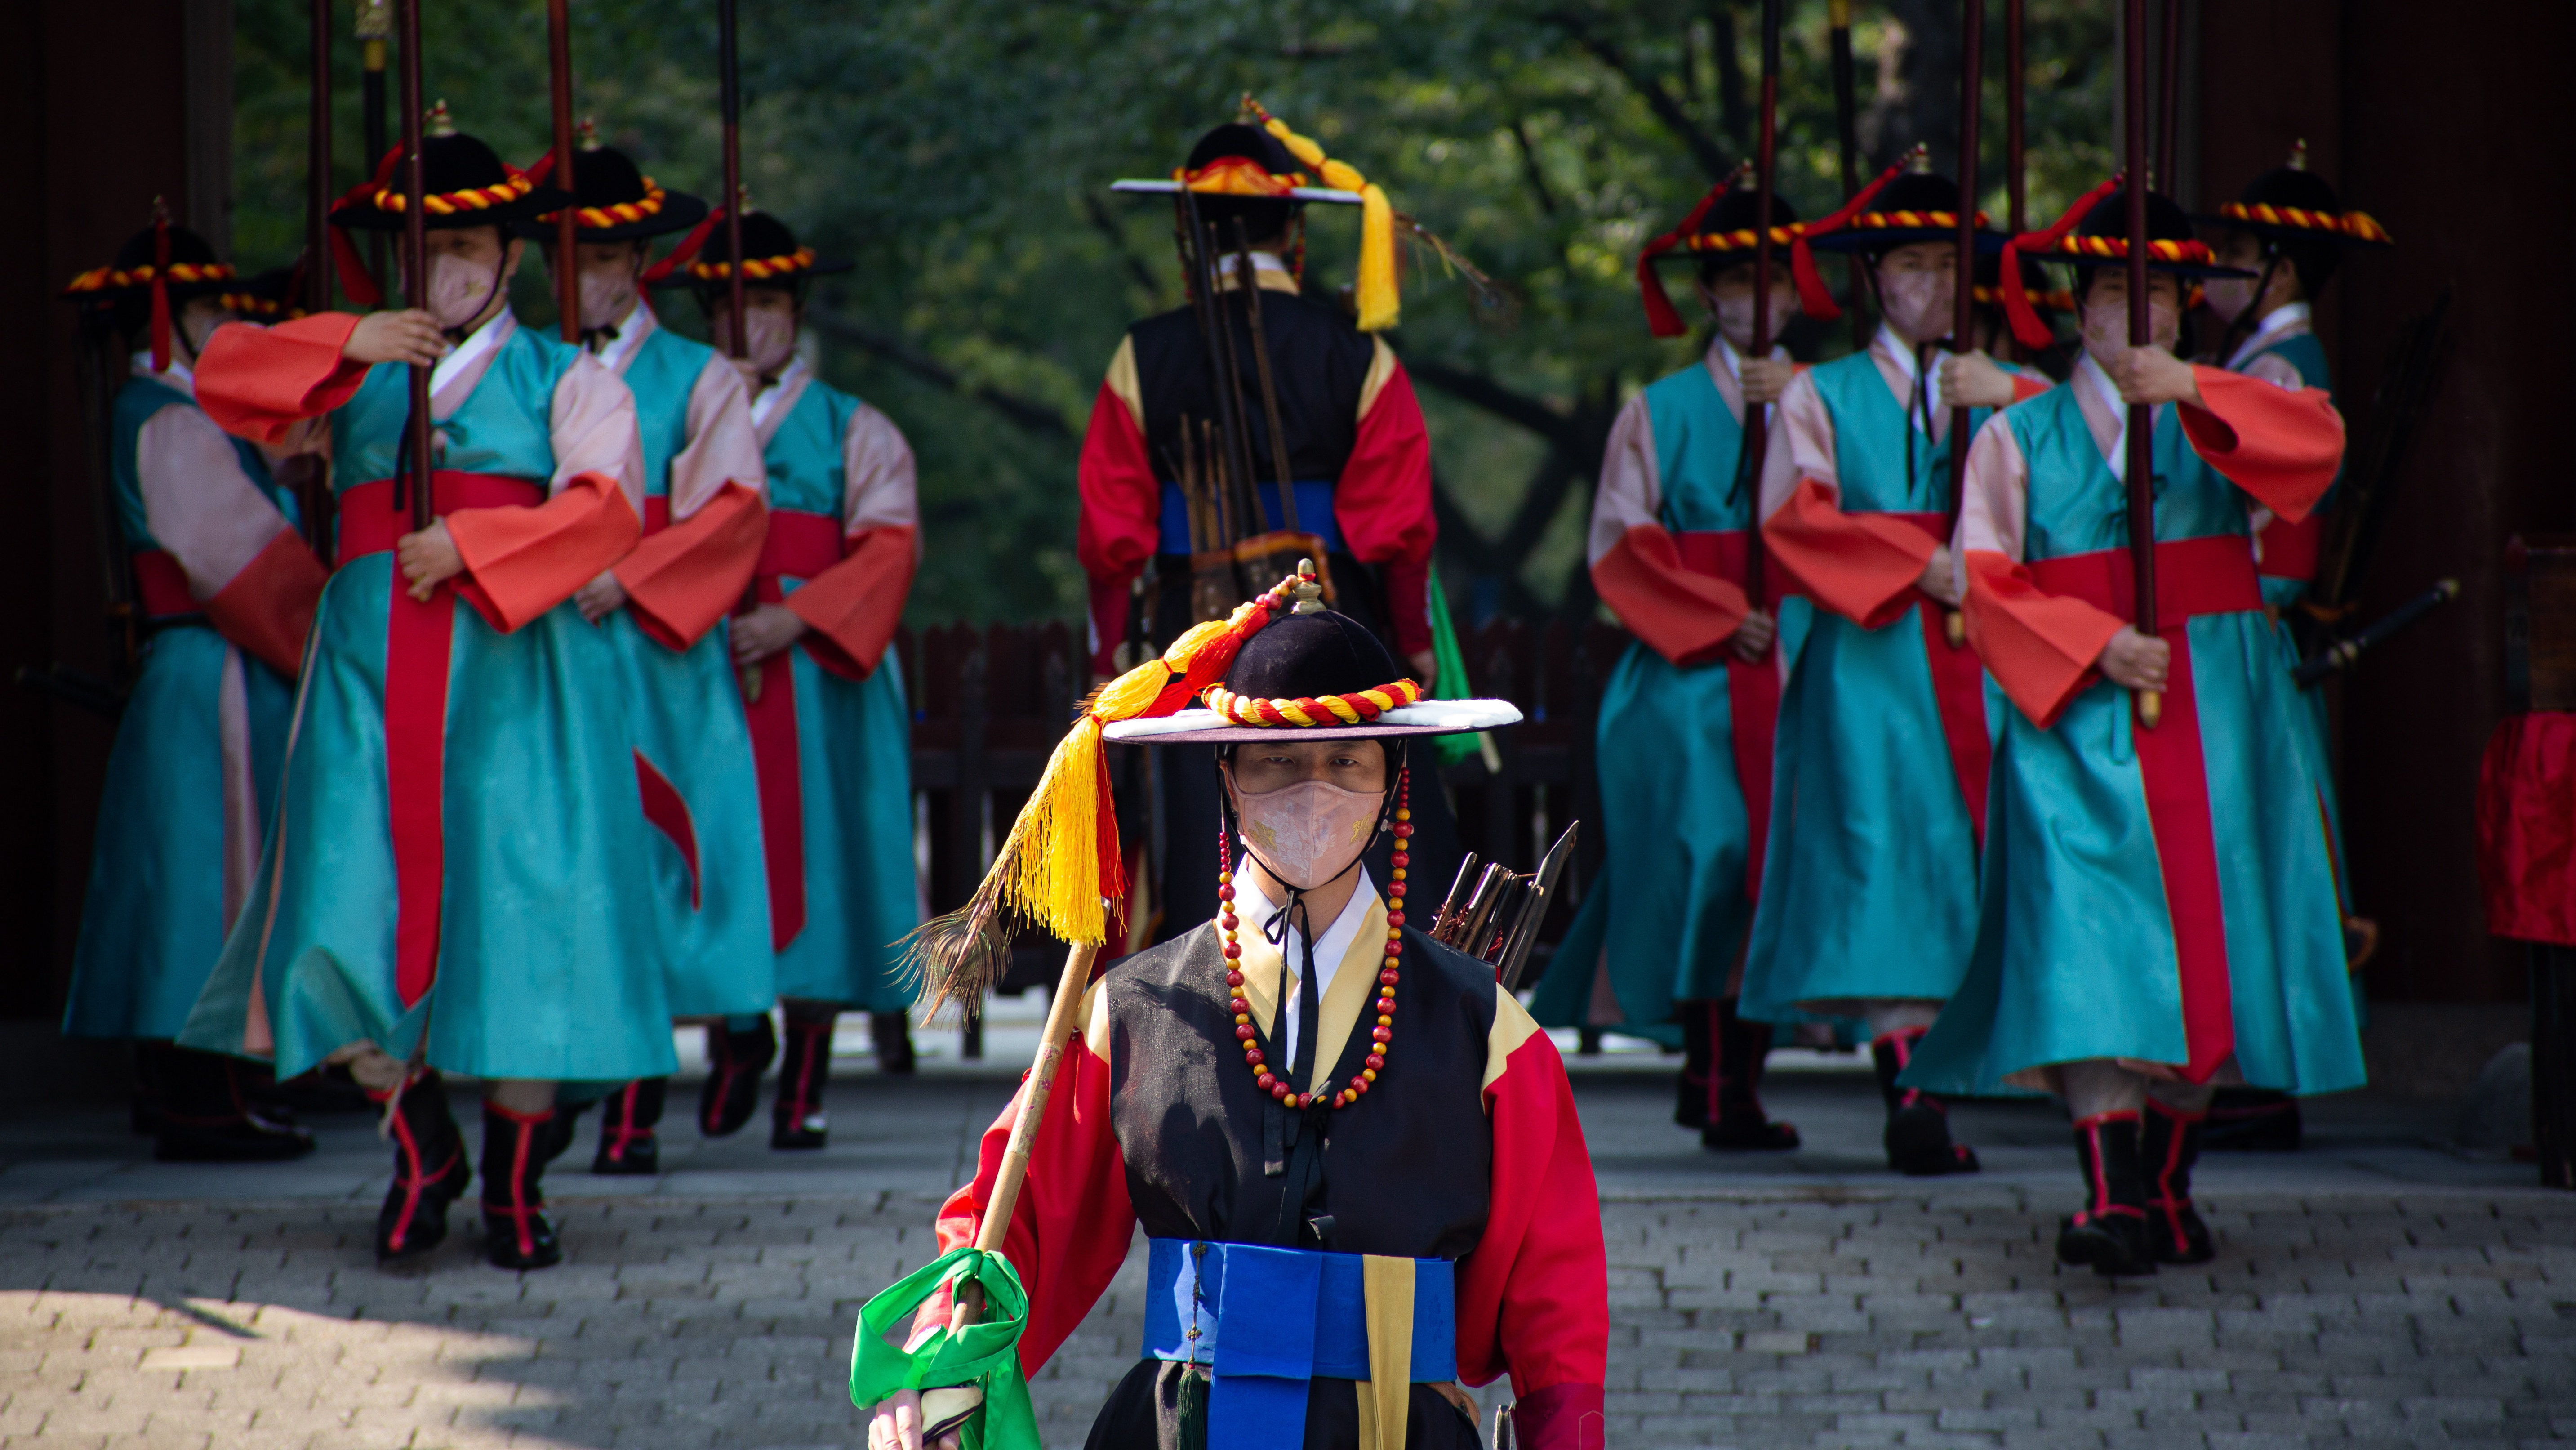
{"points": [[621, 213], [101, 279], [756, 269], [2360, 226], [1356, 708]]}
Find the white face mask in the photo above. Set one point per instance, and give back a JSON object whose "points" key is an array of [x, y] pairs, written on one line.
{"points": [[2229, 296], [1918, 303], [1309, 833], [607, 295], [767, 344], [459, 289], [1735, 321], [2106, 327]]}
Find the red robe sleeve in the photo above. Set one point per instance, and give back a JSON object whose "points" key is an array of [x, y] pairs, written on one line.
{"points": [[851, 609], [521, 562], [1071, 1226], [1685, 616], [1121, 518], [1534, 1294], [258, 382], [2040, 647], [1383, 504], [682, 580], [1861, 566], [2283, 447], [267, 608]]}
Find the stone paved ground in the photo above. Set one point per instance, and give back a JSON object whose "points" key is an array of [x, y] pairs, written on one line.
{"points": [[2369, 1290]]}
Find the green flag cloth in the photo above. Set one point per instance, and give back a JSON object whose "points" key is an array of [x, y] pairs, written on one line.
{"points": [[1452, 684], [985, 1353]]}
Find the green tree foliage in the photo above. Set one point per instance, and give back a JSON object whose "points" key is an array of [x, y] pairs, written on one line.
{"points": [[961, 151]]}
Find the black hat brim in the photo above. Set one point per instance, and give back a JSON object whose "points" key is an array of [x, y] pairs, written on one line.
{"points": [[680, 211], [362, 217]]}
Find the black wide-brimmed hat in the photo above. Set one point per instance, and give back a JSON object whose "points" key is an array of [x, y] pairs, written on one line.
{"points": [[616, 201], [1313, 674], [773, 257], [1916, 205], [2290, 203], [186, 269], [464, 183], [1719, 229], [2094, 232]]}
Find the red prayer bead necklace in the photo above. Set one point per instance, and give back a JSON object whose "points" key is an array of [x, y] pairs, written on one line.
{"points": [[1388, 969]]}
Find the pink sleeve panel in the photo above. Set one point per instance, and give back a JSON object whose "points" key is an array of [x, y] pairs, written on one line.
{"points": [[258, 382], [1861, 566], [2282, 447], [525, 561]]}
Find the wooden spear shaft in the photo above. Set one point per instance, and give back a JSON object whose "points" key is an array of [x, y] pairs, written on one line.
{"points": [[1963, 303], [2141, 442], [1757, 433], [2168, 94], [415, 260], [1061, 1011], [317, 169], [567, 229], [2015, 167], [1838, 18], [729, 94]]}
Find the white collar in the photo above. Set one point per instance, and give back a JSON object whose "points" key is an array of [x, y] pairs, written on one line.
{"points": [[2278, 323], [177, 375], [1891, 345], [768, 399], [629, 335], [478, 342], [1257, 909], [2089, 375]]}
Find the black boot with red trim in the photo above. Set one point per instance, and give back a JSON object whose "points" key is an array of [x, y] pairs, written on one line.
{"points": [[1739, 1050], [735, 1061], [628, 1118], [796, 1121], [2110, 1232], [430, 1171], [2168, 1144], [206, 1114], [1695, 1095], [516, 1232], [1918, 1124]]}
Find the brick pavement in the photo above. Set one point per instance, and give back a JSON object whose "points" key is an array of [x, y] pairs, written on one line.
{"points": [[1749, 1308]]}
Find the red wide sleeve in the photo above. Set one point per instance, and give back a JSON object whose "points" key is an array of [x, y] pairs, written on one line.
{"points": [[1121, 508], [522, 562], [258, 382], [851, 609], [2281, 446], [1383, 504], [682, 580], [1685, 616], [267, 608], [1534, 1294], [1070, 1228], [1861, 566], [2040, 647]]}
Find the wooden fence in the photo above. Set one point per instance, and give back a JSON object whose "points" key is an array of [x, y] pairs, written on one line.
{"points": [[989, 703]]}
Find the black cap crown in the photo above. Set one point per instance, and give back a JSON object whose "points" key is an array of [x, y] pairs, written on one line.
{"points": [[469, 185], [623, 203], [1307, 656]]}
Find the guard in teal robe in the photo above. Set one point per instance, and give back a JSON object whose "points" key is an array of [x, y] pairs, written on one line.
{"points": [[831, 732], [2159, 908], [449, 878], [663, 609], [225, 588]]}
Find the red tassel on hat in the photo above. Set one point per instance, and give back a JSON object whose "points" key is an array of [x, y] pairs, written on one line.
{"points": [[2026, 323], [688, 248], [1661, 319], [160, 287], [1814, 297]]}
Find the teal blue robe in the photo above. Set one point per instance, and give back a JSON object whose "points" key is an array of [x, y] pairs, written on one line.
{"points": [[153, 918], [2166, 896], [545, 962]]}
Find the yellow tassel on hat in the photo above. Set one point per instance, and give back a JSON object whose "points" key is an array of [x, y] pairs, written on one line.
{"points": [[1379, 294]]}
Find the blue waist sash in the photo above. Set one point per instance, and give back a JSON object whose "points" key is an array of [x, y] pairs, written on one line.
{"points": [[1314, 515], [1266, 1321]]}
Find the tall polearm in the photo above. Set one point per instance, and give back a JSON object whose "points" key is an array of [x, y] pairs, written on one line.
{"points": [[2016, 179], [1757, 433], [375, 25], [2141, 441], [2168, 94], [567, 266], [317, 168], [416, 259], [729, 96], [1963, 308], [1838, 19]]}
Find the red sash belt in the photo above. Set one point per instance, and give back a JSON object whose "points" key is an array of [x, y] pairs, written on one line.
{"points": [[2213, 575], [163, 585], [1752, 694], [370, 524], [2291, 551], [418, 641], [799, 546]]}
